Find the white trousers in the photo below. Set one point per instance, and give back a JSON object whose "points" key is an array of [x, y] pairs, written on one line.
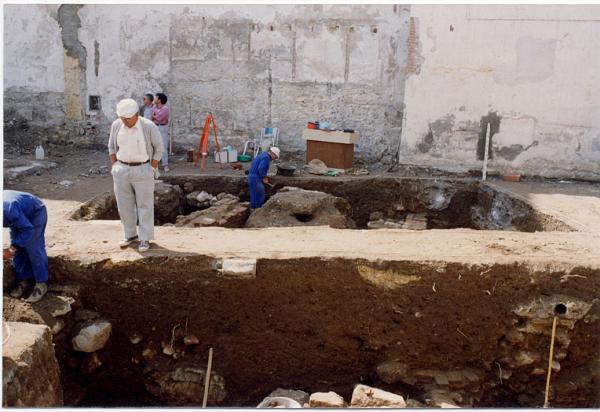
{"points": [[134, 190], [164, 133]]}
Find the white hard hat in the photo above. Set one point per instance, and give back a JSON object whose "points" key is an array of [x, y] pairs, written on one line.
{"points": [[127, 108], [275, 151]]}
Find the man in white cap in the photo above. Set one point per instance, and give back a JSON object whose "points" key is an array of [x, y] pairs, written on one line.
{"points": [[135, 147], [257, 176]]}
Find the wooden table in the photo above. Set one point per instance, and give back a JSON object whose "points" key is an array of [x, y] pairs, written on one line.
{"points": [[335, 148]]}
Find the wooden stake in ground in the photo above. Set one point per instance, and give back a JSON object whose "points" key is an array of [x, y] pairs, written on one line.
{"points": [[550, 360], [207, 378], [485, 154]]}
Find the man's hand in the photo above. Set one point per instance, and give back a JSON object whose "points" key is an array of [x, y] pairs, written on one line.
{"points": [[113, 159], [154, 163], [265, 180], [8, 253]]}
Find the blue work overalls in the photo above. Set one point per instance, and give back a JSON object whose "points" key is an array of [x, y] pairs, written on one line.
{"points": [[26, 217], [258, 170]]}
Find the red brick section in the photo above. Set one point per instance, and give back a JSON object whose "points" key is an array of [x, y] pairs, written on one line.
{"points": [[412, 66]]}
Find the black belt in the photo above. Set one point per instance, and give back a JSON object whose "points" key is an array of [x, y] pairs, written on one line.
{"points": [[164, 124], [134, 163]]}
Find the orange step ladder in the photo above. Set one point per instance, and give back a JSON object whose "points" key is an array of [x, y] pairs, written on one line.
{"points": [[203, 145]]}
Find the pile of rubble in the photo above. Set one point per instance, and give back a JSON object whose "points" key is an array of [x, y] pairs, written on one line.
{"points": [[224, 210], [363, 396]]}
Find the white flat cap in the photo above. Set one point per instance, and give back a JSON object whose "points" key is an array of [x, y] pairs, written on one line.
{"points": [[127, 108]]}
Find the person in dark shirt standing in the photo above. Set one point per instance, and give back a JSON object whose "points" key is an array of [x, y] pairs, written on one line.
{"points": [[26, 217], [160, 117]]}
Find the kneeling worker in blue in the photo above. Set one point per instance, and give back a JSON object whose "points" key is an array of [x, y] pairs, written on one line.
{"points": [[26, 217]]}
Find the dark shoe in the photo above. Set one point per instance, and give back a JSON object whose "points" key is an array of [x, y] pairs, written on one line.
{"points": [[126, 242], [38, 293], [19, 289]]}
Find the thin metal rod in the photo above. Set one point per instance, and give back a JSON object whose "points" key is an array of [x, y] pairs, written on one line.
{"points": [[550, 359], [207, 377], [485, 154], [171, 133]]}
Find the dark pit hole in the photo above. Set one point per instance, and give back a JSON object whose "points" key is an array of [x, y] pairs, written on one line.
{"points": [[303, 217], [560, 309]]}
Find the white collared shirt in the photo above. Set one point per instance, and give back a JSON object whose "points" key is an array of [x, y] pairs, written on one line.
{"points": [[131, 144]]}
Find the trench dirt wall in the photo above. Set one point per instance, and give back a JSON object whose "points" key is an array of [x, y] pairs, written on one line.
{"points": [[321, 325]]}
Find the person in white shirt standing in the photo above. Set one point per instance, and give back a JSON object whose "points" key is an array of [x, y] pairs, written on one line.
{"points": [[135, 147]]}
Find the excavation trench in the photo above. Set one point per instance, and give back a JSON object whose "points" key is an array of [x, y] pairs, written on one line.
{"points": [[437, 203], [480, 333]]}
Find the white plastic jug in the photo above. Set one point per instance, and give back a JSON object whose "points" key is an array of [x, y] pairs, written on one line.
{"points": [[39, 153]]}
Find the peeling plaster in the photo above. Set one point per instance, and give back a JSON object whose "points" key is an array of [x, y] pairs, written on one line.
{"points": [[69, 22], [534, 62]]}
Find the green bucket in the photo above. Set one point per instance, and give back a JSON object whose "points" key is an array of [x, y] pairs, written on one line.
{"points": [[244, 158]]}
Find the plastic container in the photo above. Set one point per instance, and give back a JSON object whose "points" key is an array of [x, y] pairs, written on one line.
{"points": [[39, 153], [286, 170], [226, 156]]}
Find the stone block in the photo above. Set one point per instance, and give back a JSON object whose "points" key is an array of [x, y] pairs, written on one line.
{"points": [[238, 268], [326, 400], [292, 206], [225, 214], [92, 335], [415, 221], [394, 371], [184, 385], [30, 372], [55, 305], [366, 397]]}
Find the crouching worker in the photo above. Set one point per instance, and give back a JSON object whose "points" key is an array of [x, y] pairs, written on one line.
{"points": [[26, 217], [257, 176]]}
